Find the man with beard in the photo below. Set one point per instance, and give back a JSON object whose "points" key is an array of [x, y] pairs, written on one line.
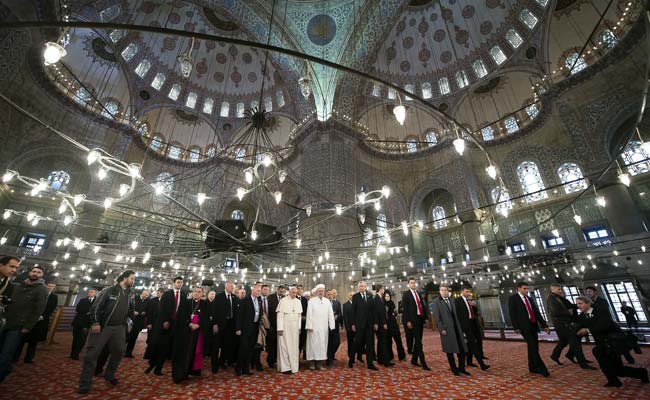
{"points": [[190, 329], [39, 332]]}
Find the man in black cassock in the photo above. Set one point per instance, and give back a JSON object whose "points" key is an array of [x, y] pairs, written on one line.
{"points": [[190, 332]]}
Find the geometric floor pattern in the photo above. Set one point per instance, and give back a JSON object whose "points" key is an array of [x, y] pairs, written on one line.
{"points": [[54, 376]]}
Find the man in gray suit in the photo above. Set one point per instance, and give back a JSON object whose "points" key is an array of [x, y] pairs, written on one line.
{"points": [[451, 335]]}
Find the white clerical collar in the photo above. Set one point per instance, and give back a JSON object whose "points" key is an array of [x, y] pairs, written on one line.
{"points": [[521, 295]]}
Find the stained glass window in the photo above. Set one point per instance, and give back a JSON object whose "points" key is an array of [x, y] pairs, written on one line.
{"points": [[212, 151], [479, 68], [254, 104], [439, 217], [431, 138], [487, 133], [225, 109], [116, 35], [532, 111], [528, 18], [409, 87], [575, 63], [635, 158], [461, 79], [279, 97], [531, 181], [82, 96], [191, 100], [514, 38], [367, 237], [426, 90], [208, 106], [155, 143], [143, 129], [174, 92], [167, 180], [511, 125], [268, 104], [391, 93], [443, 86], [411, 146], [237, 214], [158, 81], [571, 176], [240, 154], [129, 52], [607, 39], [194, 155], [498, 55], [240, 110], [382, 231], [174, 152], [501, 197], [59, 180], [542, 3], [110, 110], [142, 68]]}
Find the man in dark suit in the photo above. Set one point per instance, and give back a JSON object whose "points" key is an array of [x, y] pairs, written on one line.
{"points": [[630, 315], [165, 320], [598, 303], [81, 324], [334, 339], [40, 330], [225, 313], [601, 326], [414, 317], [272, 334], [303, 331], [347, 323], [470, 325], [563, 314], [381, 320], [526, 320], [138, 323], [364, 325], [451, 335], [247, 327], [407, 332], [151, 313]]}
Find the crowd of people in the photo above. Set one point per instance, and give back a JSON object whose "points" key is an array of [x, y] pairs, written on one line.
{"points": [[236, 328]]}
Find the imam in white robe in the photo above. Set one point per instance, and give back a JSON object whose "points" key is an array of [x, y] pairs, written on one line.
{"points": [[320, 319], [289, 314]]}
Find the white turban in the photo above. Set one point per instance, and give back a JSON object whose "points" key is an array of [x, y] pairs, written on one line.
{"points": [[306, 293], [319, 286]]}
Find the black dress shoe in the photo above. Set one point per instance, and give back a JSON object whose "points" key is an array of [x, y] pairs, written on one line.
{"points": [[112, 381], [457, 373], [83, 391], [485, 367], [587, 366], [157, 372], [462, 371], [74, 357], [471, 365], [372, 367], [259, 368], [572, 359], [28, 361], [589, 361], [645, 378], [426, 367], [613, 384], [485, 358], [389, 364], [287, 372], [546, 374], [350, 363], [557, 360]]}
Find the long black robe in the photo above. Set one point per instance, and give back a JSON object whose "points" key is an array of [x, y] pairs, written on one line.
{"points": [[185, 340]]}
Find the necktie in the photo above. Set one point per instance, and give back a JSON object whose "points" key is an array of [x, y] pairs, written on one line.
{"points": [[471, 311], [265, 309], [364, 296], [531, 314], [175, 304], [417, 301], [448, 306], [230, 302]]}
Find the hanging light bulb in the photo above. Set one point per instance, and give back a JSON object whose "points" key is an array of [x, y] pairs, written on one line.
{"points": [[327, 254], [504, 212], [308, 210], [241, 192], [66, 256], [362, 197], [459, 145], [77, 199], [204, 234], [278, 197], [30, 216], [248, 175], [643, 248], [600, 200], [339, 209], [101, 174], [96, 249], [9, 175], [298, 242], [405, 228], [52, 53], [282, 175], [625, 179], [146, 257], [555, 233], [134, 170], [482, 238], [200, 198], [124, 189], [508, 251], [577, 218], [420, 224], [3, 240], [491, 171], [6, 214], [134, 245], [385, 191], [62, 208], [305, 86], [108, 202], [253, 234], [400, 113], [267, 160], [93, 155], [362, 218], [66, 220]]}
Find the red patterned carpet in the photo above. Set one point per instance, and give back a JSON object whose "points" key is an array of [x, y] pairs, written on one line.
{"points": [[54, 376]]}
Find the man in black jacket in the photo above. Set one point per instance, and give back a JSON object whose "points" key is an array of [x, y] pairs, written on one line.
{"points": [[414, 317], [334, 337], [470, 326], [364, 325], [526, 320], [225, 313], [162, 329], [108, 317], [597, 302], [8, 268], [247, 327], [599, 323], [29, 297], [151, 313], [563, 314], [303, 331], [140, 313], [81, 323], [40, 330], [272, 333], [347, 322]]}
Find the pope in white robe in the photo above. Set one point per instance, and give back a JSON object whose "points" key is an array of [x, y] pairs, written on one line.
{"points": [[320, 319], [289, 313]]}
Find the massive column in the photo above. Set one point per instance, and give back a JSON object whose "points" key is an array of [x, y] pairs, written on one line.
{"points": [[621, 212]]}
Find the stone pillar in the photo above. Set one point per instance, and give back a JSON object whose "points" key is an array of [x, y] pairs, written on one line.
{"points": [[621, 212], [470, 220]]}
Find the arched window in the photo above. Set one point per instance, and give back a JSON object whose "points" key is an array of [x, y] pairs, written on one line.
{"points": [[237, 214], [155, 143], [411, 146], [143, 129], [279, 97], [443, 85], [142, 68], [174, 152], [498, 55], [174, 92], [254, 104], [129, 52], [376, 90], [528, 18], [461, 79], [531, 181], [208, 105], [426, 90], [110, 110], [212, 151], [501, 198], [635, 158], [194, 155], [511, 125], [158, 81], [225, 109], [579, 62], [82, 96], [191, 100], [487, 133], [381, 225], [367, 237], [571, 176], [59, 180], [167, 180], [607, 39], [439, 217], [431, 138], [514, 38], [240, 110], [479, 68], [240, 154], [268, 104]]}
